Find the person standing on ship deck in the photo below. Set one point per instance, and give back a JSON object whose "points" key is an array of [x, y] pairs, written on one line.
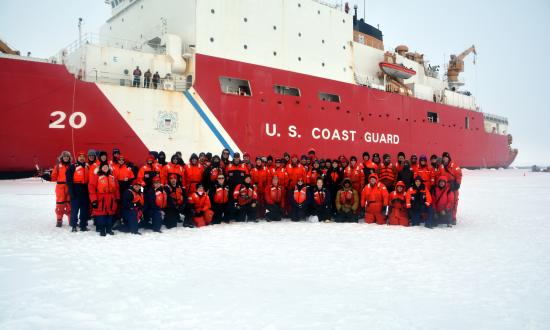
{"points": [[147, 79], [137, 77]]}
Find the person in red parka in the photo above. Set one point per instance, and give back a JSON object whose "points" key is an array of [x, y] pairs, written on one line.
{"points": [[148, 171], [62, 198], [259, 178], [193, 173], [426, 172], [295, 170], [274, 195], [374, 199], [454, 176], [173, 167], [443, 202], [398, 215], [199, 202], [354, 172], [104, 195], [246, 200]]}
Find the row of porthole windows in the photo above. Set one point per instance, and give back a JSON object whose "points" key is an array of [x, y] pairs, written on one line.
{"points": [[213, 11], [299, 34]]}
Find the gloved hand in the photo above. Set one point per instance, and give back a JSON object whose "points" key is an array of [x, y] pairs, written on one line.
{"points": [[94, 204], [443, 212], [253, 205]]}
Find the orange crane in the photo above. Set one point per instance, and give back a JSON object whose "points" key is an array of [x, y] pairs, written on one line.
{"points": [[456, 64]]}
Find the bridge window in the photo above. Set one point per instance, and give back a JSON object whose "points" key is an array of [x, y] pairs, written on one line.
{"points": [[433, 117], [285, 90], [467, 123], [235, 86], [329, 97]]}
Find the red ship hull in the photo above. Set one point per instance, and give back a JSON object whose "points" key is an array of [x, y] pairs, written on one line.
{"points": [[263, 123]]}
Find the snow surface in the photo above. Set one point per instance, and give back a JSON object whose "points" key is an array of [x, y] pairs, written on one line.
{"points": [[489, 272]]}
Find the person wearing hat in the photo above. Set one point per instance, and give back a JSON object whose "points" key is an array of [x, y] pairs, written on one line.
{"points": [[278, 170], [333, 181], [406, 175], [368, 167], [211, 173], [434, 162], [104, 195], [453, 172], [175, 168], [62, 198], [114, 160], [419, 201], [354, 173], [259, 178], [270, 162], [199, 204], [156, 201], [400, 161], [247, 161], [376, 160], [304, 162], [193, 173], [224, 158], [314, 173], [298, 200], [320, 201], [397, 215], [123, 173], [236, 171], [387, 173], [274, 195], [77, 183], [132, 207], [414, 162], [148, 171], [246, 200], [374, 198], [426, 172], [162, 158], [443, 202], [295, 171], [347, 202], [176, 202], [219, 199], [92, 157]]}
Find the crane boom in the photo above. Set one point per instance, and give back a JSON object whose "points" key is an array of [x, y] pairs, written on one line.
{"points": [[456, 64]]}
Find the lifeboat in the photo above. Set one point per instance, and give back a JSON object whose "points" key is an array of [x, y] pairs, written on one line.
{"points": [[396, 70]]}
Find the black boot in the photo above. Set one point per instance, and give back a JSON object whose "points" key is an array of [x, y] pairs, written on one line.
{"points": [[59, 223], [74, 229], [83, 228], [110, 232]]}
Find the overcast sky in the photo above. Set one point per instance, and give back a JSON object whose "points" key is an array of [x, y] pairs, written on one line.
{"points": [[510, 77]]}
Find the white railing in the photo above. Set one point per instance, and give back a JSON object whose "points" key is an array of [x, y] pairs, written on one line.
{"points": [[96, 39], [168, 83]]}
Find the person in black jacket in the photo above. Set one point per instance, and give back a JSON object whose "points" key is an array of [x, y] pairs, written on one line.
{"points": [[406, 175], [333, 180], [155, 203], [219, 195], [132, 205], [320, 201], [77, 183], [177, 200], [297, 198]]}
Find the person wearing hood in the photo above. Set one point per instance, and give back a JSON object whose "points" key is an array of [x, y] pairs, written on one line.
{"points": [[418, 203], [376, 160], [62, 198], [219, 199], [320, 201], [387, 173], [259, 178], [148, 171], [406, 175], [104, 195], [132, 207], [453, 172], [298, 200], [274, 195], [246, 200], [398, 212], [199, 204], [347, 202], [176, 202], [443, 202], [354, 173], [374, 199], [161, 158], [77, 183], [156, 200], [434, 162], [236, 171], [193, 173], [400, 161], [175, 168]]}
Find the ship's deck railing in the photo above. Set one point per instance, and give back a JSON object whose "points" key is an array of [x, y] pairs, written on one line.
{"points": [[96, 39], [169, 83], [328, 4], [495, 118]]}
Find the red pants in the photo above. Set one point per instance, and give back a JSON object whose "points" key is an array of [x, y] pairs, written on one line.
{"points": [[62, 201], [455, 204], [399, 217], [373, 213], [204, 219]]}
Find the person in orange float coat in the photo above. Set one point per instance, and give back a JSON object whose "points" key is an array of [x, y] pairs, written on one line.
{"points": [[426, 172], [102, 157], [387, 173], [368, 167], [62, 198], [414, 162], [295, 170], [419, 201], [398, 215], [246, 200], [259, 178], [123, 173], [148, 171], [175, 168], [280, 172], [298, 200], [219, 199], [77, 183], [454, 175], [199, 202], [443, 202], [347, 202], [104, 195], [355, 174], [314, 173], [176, 202], [374, 199], [275, 200]]}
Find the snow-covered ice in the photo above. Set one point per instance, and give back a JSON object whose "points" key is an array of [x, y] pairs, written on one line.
{"points": [[492, 271]]}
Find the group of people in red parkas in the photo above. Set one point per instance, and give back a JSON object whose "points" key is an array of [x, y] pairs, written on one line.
{"points": [[211, 189]]}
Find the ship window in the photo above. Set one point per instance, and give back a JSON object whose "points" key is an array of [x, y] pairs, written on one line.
{"points": [[433, 117], [329, 97], [467, 123], [235, 86], [285, 90]]}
